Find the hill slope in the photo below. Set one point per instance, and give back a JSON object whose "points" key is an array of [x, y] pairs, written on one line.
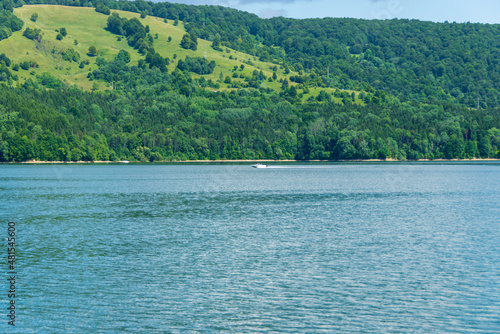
{"points": [[132, 107], [87, 27], [413, 60]]}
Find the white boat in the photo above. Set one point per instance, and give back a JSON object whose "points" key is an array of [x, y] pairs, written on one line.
{"points": [[259, 166], [124, 161]]}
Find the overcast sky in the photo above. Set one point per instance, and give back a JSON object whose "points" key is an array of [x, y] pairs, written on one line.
{"points": [[484, 11]]}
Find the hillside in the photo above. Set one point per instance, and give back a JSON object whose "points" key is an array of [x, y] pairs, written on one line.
{"points": [[77, 84], [411, 59], [87, 27]]}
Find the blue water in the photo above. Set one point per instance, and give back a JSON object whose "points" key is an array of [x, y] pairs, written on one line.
{"points": [[229, 249]]}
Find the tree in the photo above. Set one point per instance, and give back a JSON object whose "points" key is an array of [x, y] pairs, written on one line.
{"points": [[63, 32], [484, 147], [32, 33], [92, 51], [324, 96], [115, 24], [34, 17], [100, 8], [124, 55], [284, 85], [6, 60], [216, 43], [186, 42]]}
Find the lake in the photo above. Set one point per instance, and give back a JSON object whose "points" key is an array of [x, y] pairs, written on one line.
{"points": [[225, 248]]}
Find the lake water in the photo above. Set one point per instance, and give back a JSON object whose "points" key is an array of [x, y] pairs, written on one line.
{"points": [[316, 248]]}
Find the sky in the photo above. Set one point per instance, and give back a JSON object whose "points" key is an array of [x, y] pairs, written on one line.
{"points": [[483, 11]]}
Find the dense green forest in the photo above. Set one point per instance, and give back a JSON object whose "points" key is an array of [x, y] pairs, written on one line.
{"points": [[429, 91], [169, 116]]}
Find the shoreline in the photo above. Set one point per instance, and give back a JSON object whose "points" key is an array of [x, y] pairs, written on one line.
{"points": [[249, 161]]}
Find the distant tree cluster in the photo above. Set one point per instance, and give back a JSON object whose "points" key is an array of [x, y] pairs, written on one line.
{"points": [[9, 23], [4, 60], [27, 64], [34, 34], [189, 42], [100, 8], [156, 60], [71, 55], [196, 65], [216, 43], [137, 35], [5, 73], [49, 81]]}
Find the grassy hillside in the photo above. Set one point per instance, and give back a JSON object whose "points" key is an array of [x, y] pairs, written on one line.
{"points": [[86, 26]]}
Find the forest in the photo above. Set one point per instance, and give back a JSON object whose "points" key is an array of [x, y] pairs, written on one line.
{"points": [[428, 91]]}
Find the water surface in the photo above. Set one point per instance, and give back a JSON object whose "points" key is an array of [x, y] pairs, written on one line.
{"points": [[227, 248]]}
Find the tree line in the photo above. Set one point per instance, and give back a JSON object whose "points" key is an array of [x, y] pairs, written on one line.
{"points": [[155, 116]]}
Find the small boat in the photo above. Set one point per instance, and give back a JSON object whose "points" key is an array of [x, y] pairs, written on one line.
{"points": [[124, 161], [259, 166]]}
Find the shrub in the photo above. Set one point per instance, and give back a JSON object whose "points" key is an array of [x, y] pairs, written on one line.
{"points": [[100, 8], [32, 33], [71, 55]]}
